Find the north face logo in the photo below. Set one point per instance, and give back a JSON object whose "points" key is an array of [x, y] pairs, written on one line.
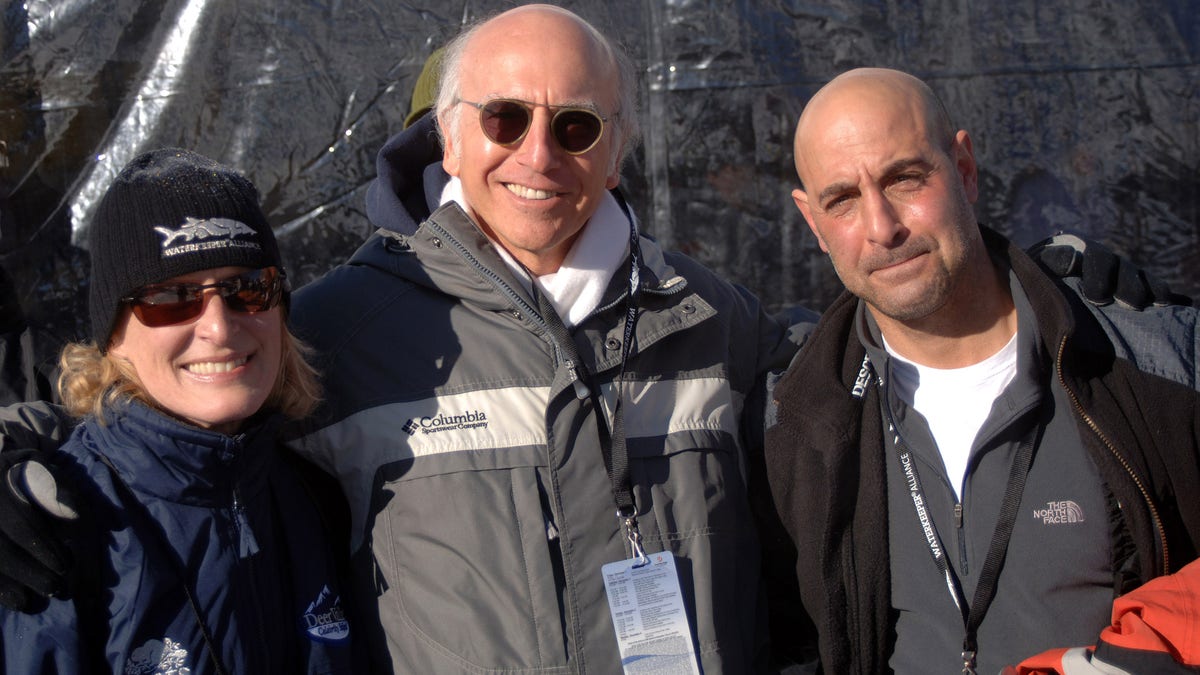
{"points": [[202, 234], [1059, 513]]}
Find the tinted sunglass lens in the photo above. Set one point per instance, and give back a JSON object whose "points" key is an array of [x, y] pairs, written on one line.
{"points": [[577, 130], [504, 122], [167, 313], [253, 298], [253, 292], [167, 305]]}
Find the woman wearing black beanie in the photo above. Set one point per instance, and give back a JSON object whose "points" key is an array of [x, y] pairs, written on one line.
{"points": [[205, 550]]}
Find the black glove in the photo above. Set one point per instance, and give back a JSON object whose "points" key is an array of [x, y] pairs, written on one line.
{"points": [[34, 559], [1104, 276]]}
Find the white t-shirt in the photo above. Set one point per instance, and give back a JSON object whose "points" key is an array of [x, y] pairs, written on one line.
{"points": [[955, 402]]}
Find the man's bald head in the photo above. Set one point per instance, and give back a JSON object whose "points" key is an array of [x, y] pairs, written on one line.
{"points": [[869, 89], [888, 188], [531, 193], [538, 23]]}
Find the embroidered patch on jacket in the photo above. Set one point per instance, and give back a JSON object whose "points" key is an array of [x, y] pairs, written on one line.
{"points": [[202, 234], [324, 619], [471, 419], [158, 657], [1059, 513]]}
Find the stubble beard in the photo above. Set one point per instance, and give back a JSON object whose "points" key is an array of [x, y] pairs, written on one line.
{"points": [[917, 300], [921, 297]]}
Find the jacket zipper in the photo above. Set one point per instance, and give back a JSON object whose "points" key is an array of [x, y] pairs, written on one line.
{"points": [[247, 544], [247, 547], [962, 543], [1158, 526], [672, 286], [581, 391]]}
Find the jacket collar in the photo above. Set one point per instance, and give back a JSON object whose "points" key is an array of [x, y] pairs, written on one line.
{"points": [[397, 200], [163, 457], [834, 354]]}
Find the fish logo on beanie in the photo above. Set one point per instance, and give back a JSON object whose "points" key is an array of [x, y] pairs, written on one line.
{"points": [[206, 234]]}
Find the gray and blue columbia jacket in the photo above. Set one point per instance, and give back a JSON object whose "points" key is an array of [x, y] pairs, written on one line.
{"points": [[473, 462]]}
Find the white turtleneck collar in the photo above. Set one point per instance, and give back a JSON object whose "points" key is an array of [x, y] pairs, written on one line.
{"points": [[576, 288]]}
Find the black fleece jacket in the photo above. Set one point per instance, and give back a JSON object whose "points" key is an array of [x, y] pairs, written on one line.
{"points": [[825, 463]]}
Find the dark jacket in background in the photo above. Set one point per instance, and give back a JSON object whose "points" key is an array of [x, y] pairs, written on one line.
{"points": [[28, 355]]}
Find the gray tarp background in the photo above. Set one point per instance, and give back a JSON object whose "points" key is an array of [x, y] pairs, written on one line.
{"points": [[1084, 115]]}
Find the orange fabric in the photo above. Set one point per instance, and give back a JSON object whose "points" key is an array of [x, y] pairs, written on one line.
{"points": [[1047, 663], [1163, 615]]}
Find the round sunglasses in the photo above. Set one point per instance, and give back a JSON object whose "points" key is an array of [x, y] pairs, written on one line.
{"points": [[159, 305], [505, 121]]}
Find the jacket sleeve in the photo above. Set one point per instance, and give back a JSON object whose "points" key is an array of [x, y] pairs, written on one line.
{"points": [[792, 635], [42, 644], [37, 425], [1155, 629], [1160, 340]]}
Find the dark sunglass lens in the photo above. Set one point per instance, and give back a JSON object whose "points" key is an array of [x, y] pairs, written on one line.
{"points": [[252, 298], [157, 306], [183, 308], [504, 122], [253, 292], [577, 130]]}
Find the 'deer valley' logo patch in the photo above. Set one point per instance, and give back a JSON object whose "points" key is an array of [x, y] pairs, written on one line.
{"points": [[324, 620]]}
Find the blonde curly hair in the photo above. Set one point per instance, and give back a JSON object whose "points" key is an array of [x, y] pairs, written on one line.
{"points": [[91, 381]]}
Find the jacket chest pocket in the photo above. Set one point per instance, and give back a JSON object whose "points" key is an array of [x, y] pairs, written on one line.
{"points": [[692, 501], [685, 457], [464, 557], [690, 492]]}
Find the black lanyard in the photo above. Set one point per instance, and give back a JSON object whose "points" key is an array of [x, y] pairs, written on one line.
{"points": [[985, 591], [619, 473], [612, 440]]}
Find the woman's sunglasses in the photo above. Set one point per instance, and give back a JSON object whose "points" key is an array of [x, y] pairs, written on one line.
{"points": [[167, 304], [505, 121]]}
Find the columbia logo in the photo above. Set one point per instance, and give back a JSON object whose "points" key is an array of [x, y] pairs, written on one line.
{"points": [[443, 422], [1059, 513]]}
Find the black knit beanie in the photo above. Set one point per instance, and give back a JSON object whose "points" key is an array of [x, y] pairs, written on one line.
{"points": [[171, 212]]}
